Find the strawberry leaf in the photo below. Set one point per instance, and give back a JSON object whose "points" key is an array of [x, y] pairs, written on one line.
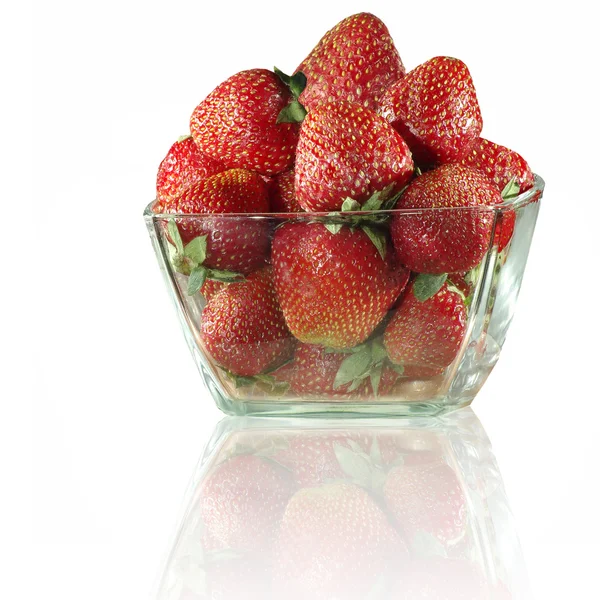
{"points": [[378, 198], [333, 227], [296, 82], [511, 190], [196, 280], [375, 453], [398, 368], [375, 377], [294, 112], [174, 235], [418, 171], [378, 239], [350, 205], [353, 367], [426, 285], [378, 351], [196, 249], [390, 203], [354, 465], [224, 276]]}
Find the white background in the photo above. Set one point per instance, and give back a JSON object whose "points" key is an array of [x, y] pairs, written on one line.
{"points": [[103, 413]]}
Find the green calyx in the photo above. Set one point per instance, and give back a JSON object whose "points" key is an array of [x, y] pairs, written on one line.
{"points": [[511, 190], [263, 380], [294, 112], [426, 286], [365, 467], [381, 200], [188, 260], [365, 361]]}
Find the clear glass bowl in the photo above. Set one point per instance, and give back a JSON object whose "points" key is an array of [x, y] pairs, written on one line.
{"points": [[490, 289], [353, 509]]}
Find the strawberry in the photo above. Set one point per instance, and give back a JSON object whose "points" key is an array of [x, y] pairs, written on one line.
{"points": [[355, 61], [427, 498], [237, 123], [211, 287], [334, 288], [336, 375], [445, 241], [229, 244], [346, 150], [435, 109], [282, 195], [427, 330], [499, 163], [334, 542], [509, 171], [243, 328], [241, 502], [183, 166]]}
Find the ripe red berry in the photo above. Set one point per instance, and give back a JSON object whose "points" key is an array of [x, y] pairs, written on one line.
{"points": [[457, 233], [334, 288], [243, 328], [355, 61], [435, 109], [346, 150], [237, 123], [425, 336]]}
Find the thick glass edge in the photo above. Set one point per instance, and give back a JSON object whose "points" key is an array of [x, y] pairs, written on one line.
{"points": [[521, 200]]}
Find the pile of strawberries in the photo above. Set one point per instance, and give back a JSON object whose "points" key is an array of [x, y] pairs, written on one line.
{"points": [[332, 296]]}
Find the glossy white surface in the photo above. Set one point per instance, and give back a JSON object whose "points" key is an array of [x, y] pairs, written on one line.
{"points": [[93, 355]]}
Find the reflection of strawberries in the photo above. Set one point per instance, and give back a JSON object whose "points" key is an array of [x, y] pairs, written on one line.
{"points": [[334, 542], [438, 578], [426, 497], [242, 502], [312, 458]]}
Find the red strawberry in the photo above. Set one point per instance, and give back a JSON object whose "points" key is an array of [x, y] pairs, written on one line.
{"points": [[237, 123], [231, 244], [502, 166], [445, 241], [427, 498], [320, 373], [355, 61], [241, 503], [211, 287], [243, 328], [282, 194], [425, 335], [334, 288], [346, 150], [334, 542], [183, 166], [435, 109]]}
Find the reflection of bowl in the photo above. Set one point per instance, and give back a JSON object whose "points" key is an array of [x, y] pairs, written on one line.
{"points": [[347, 509], [241, 243]]}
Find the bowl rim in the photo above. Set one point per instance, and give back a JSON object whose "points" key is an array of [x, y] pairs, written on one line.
{"points": [[533, 193]]}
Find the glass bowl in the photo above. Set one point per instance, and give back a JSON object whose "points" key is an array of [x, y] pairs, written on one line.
{"points": [[290, 376]]}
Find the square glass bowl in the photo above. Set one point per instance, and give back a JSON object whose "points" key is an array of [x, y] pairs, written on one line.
{"points": [[489, 290]]}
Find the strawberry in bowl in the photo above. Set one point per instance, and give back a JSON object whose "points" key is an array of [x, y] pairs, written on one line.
{"points": [[344, 239]]}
